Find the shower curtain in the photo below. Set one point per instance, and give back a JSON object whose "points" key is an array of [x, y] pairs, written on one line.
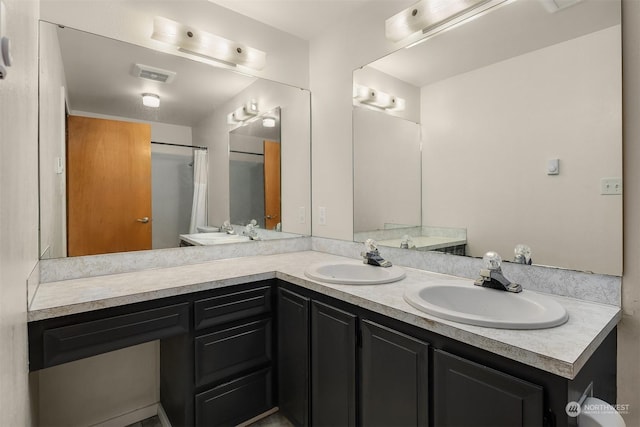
{"points": [[200, 178]]}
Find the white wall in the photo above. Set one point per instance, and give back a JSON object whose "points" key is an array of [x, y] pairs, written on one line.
{"points": [[387, 172], [487, 136], [132, 21], [53, 223], [213, 132], [18, 206]]}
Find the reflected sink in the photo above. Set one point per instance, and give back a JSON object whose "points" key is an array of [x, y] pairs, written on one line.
{"points": [[353, 273], [206, 239], [474, 305]]}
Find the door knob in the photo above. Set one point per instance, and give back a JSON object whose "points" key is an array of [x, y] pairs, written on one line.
{"points": [[143, 220]]}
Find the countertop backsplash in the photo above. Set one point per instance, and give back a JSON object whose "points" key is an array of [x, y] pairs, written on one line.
{"points": [[586, 286]]}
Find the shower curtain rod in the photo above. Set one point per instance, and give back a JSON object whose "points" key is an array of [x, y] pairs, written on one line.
{"points": [[180, 145]]}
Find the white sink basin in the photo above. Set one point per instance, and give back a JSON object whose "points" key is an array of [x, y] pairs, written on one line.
{"points": [[474, 305], [353, 273]]}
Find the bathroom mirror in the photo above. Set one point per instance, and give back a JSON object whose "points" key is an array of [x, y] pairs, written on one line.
{"points": [[519, 137], [90, 76]]}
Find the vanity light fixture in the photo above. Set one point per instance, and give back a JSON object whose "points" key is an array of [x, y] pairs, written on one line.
{"points": [[150, 100], [375, 98], [241, 114], [201, 43], [426, 15]]}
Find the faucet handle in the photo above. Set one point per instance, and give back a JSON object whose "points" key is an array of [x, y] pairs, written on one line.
{"points": [[492, 261]]}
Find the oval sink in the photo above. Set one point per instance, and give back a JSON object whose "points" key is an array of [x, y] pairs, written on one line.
{"points": [[353, 273], [474, 305]]}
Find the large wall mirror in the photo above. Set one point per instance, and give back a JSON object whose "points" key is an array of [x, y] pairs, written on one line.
{"points": [[507, 132], [116, 175]]}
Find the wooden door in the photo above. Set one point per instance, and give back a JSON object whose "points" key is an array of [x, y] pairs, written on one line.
{"points": [[271, 184], [108, 186]]}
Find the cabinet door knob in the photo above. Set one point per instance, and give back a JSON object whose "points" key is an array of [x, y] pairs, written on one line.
{"points": [[143, 220]]}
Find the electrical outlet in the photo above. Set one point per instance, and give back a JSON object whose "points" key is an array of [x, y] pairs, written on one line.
{"points": [[611, 186], [322, 215], [301, 215]]}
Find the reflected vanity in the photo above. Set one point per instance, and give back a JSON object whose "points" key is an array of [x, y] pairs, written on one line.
{"points": [[482, 108], [82, 74]]}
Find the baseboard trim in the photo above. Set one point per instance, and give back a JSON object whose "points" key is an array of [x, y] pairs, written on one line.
{"points": [[164, 420], [259, 417], [131, 417]]}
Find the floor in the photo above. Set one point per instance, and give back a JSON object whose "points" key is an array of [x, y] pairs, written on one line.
{"points": [[275, 420]]}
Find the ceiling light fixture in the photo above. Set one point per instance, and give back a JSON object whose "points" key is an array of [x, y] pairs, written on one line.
{"points": [[269, 122], [427, 15], [150, 100], [201, 43]]}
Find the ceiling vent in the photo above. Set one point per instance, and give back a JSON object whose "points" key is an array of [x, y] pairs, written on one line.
{"points": [[153, 73]]}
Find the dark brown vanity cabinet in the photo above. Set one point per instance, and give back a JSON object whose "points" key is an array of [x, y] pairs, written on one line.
{"points": [[230, 354], [336, 369], [221, 373]]}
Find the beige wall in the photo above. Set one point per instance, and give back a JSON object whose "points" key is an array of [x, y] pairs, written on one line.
{"points": [[94, 390], [487, 137], [629, 328], [18, 206]]}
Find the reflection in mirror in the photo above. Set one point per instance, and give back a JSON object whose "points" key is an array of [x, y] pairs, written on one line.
{"points": [[99, 82], [496, 98], [254, 172]]}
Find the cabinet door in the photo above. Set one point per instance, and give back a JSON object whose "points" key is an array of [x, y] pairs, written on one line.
{"points": [[293, 357], [395, 378], [469, 394], [333, 366]]}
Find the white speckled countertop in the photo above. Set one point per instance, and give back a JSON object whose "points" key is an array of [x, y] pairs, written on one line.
{"points": [[562, 350]]}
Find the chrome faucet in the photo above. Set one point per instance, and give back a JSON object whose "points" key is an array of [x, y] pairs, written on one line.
{"points": [[491, 275], [250, 231], [227, 228], [371, 255]]}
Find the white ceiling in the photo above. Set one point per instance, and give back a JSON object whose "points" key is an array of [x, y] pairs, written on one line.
{"points": [[302, 18]]}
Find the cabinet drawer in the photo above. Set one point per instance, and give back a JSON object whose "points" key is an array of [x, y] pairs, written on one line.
{"points": [[232, 306], [489, 397], [232, 351], [81, 340], [236, 401]]}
